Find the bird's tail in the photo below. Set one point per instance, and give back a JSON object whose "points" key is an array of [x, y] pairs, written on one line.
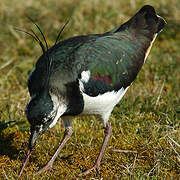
{"points": [[144, 23]]}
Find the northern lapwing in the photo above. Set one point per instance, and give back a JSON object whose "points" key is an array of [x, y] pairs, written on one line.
{"points": [[87, 75]]}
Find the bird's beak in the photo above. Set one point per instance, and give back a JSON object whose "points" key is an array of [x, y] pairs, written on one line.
{"points": [[34, 136], [32, 140]]}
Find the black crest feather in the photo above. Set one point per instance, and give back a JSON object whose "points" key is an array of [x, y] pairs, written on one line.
{"points": [[60, 32], [45, 48]]}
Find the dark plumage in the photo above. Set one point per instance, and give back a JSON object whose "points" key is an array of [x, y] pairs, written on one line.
{"points": [[88, 75]]}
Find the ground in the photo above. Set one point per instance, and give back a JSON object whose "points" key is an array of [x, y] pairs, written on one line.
{"points": [[145, 143]]}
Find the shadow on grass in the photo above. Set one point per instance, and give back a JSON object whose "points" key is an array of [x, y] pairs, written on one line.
{"points": [[6, 141]]}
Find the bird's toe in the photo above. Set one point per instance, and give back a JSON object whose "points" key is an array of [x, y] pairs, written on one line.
{"points": [[45, 168], [94, 168]]}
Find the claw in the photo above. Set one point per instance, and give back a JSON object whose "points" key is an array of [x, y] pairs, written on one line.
{"points": [[94, 168], [45, 168]]}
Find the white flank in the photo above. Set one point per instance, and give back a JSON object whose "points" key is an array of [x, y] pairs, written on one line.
{"points": [[102, 104], [149, 48]]}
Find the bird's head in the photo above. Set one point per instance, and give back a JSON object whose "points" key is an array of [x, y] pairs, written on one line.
{"points": [[41, 112]]}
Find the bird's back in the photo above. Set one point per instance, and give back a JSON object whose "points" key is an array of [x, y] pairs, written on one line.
{"points": [[112, 59]]}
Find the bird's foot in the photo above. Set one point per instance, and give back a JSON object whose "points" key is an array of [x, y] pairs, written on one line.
{"points": [[94, 168], [45, 168]]}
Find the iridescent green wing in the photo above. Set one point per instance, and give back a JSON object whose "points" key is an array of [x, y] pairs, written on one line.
{"points": [[114, 58]]}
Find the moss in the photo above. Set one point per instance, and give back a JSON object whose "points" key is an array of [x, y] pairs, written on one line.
{"points": [[145, 140]]}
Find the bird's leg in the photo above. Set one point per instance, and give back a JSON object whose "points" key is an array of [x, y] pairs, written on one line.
{"points": [[67, 135], [107, 133]]}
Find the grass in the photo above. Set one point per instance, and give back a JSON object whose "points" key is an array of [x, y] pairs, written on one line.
{"points": [[146, 132]]}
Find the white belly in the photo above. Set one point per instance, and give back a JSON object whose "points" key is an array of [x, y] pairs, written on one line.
{"points": [[102, 104]]}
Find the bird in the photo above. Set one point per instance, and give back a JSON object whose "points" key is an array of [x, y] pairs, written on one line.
{"points": [[87, 75]]}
